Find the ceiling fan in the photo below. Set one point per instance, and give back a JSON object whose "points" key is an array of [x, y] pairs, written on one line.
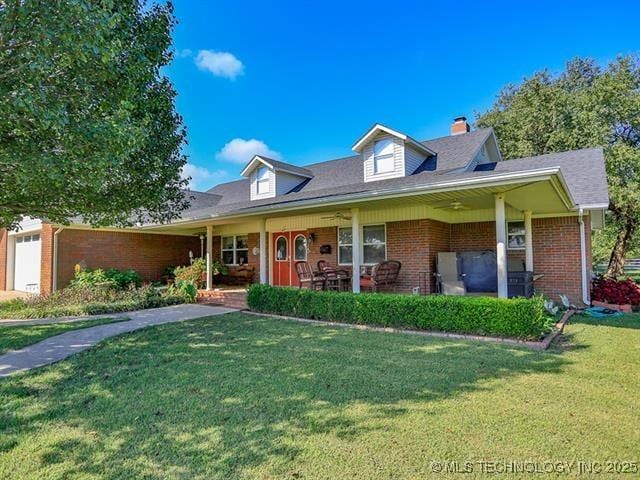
{"points": [[336, 216], [454, 205]]}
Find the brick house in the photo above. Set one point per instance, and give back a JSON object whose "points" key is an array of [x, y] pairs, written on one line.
{"points": [[397, 198]]}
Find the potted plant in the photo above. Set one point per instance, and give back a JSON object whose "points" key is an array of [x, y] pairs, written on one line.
{"points": [[168, 275]]}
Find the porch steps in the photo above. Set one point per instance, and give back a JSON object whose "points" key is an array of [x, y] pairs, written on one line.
{"points": [[227, 298]]}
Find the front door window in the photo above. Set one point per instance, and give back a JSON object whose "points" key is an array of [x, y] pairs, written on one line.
{"points": [[300, 248], [281, 249]]}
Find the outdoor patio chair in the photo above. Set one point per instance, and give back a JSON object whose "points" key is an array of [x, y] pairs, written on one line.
{"points": [[383, 275], [335, 279], [309, 278], [448, 276]]}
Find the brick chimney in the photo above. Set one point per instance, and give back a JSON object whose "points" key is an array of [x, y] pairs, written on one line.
{"points": [[459, 126]]}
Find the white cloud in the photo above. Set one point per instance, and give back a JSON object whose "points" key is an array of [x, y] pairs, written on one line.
{"points": [[221, 64], [184, 53], [202, 178], [241, 151]]}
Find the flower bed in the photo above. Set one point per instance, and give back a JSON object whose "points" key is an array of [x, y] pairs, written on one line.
{"points": [[78, 302], [93, 292], [516, 318], [617, 294]]}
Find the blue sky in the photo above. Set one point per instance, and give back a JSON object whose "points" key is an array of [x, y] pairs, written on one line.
{"points": [[301, 81]]}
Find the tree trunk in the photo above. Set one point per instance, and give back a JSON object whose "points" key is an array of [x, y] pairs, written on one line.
{"points": [[619, 252]]}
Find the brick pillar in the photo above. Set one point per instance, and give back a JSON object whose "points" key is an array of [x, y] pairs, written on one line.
{"points": [[3, 258], [46, 259]]}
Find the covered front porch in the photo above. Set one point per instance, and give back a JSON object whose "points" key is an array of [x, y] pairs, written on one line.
{"points": [[531, 220]]}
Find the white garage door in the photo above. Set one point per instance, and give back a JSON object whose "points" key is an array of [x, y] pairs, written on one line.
{"points": [[27, 265]]}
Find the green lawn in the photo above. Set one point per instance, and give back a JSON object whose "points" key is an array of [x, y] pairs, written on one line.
{"points": [[239, 396], [13, 338]]}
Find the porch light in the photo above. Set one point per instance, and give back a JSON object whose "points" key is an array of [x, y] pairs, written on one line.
{"points": [[311, 238]]}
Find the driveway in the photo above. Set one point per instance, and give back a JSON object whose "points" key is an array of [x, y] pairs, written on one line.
{"points": [[10, 295]]}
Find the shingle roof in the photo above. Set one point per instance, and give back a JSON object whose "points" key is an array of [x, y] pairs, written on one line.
{"points": [[453, 152], [583, 171], [278, 165]]}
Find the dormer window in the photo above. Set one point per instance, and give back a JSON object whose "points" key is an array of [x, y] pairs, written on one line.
{"points": [[387, 153], [383, 161], [262, 183], [269, 178]]}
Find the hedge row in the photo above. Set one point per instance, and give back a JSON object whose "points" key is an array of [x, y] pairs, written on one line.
{"points": [[523, 318]]}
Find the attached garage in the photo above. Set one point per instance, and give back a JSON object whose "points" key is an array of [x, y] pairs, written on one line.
{"points": [[27, 263]]}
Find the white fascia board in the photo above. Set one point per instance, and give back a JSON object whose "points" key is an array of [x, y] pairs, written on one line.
{"points": [[257, 158], [297, 174], [418, 146], [357, 147], [594, 206], [373, 131]]}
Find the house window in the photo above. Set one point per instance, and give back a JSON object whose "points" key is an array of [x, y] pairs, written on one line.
{"points": [[383, 156], [515, 236], [374, 244], [373, 249], [345, 246], [262, 180], [235, 250]]}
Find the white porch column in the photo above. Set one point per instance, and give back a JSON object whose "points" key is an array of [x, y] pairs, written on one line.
{"points": [[263, 250], [209, 256], [355, 255], [528, 242], [501, 246]]}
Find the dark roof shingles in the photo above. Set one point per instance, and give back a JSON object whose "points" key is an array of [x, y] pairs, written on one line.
{"points": [[583, 171]]}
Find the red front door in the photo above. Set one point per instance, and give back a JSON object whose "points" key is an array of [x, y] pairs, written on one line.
{"points": [[289, 248]]}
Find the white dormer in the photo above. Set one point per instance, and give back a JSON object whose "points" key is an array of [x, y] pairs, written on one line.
{"points": [[269, 178], [387, 153]]}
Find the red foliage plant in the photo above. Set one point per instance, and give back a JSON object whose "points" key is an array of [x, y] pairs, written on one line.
{"points": [[619, 292]]}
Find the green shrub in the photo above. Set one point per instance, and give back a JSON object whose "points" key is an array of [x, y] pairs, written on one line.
{"points": [[196, 272], [124, 279], [112, 278], [85, 278], [518, 318], [90, 300], [186, 290]]}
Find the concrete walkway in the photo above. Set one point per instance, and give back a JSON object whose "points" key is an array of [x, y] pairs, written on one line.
{"points": [[61, 346]]}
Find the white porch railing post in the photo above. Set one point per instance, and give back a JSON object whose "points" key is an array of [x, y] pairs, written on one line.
{"points": [[263, 250], [501, 246], [355, 255], [528, 242], [209, 256]]}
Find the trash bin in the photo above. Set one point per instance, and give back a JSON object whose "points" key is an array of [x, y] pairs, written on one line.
{"points": [[520, 284]]}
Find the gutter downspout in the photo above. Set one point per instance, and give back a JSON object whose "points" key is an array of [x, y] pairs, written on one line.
{"points": [[54, 273], [583, 258]]}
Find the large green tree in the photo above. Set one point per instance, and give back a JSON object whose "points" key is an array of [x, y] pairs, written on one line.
{"points": [[584, 106], [88, 126]]}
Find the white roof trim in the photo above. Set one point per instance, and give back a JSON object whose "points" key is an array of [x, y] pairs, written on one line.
{"points": [[373, 131], [256, 158], [251, 165]]}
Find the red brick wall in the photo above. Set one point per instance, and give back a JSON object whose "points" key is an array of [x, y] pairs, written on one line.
{"points": [[323, 236], [415, 244], [556, 251], [148, 254], [3, 259], [46, 258], [254, 260]]}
